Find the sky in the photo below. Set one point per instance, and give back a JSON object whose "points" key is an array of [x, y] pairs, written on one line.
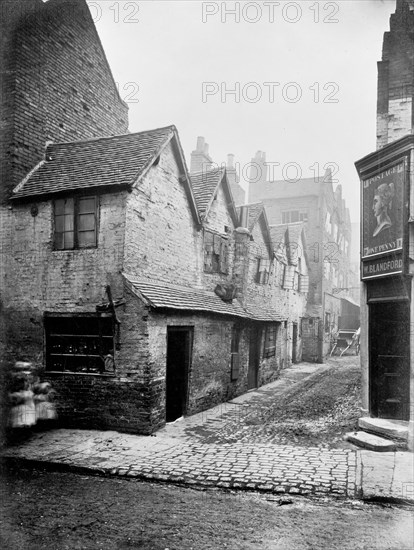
{"points": [[296, 80]]}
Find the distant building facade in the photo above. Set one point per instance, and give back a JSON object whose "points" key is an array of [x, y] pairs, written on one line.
{"points": [[327, 224]]}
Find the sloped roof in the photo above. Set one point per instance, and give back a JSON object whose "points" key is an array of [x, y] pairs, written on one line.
{"points": [[257, 212], [159, 294], [205, 185], [116, 161], [278, 238], [162, 295], [259, 313]]}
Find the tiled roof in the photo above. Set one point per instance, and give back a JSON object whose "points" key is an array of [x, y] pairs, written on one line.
{"points": [[204, 186], [109, 161], [165, 295], [255, 211], [259, 313], [159, 294]]}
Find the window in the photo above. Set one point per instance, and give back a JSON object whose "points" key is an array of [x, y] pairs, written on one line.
{"points": [[75, 223], [270, 341], [263, 269], [235, 356], [80, 343], [292, 216], [215, 253]]}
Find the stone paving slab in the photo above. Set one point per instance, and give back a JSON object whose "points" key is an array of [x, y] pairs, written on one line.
{"points": [[385, 475]]}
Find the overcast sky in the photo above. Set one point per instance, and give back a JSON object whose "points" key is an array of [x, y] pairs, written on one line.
{"points": [[305, 75]]}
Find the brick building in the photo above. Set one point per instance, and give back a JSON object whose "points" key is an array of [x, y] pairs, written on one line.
{"points": [[326, 220], [140, 291], [292, 274], [387, 238]]}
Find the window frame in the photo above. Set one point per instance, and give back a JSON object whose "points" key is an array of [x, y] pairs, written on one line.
{"points": [[219, 253], [288, 215], [64, 350], [75, 222], [262, 275]]}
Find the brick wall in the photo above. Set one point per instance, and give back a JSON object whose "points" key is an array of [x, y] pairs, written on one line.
{"points": [[37, 278], [395, 115], [56, 85], [162, 241]]}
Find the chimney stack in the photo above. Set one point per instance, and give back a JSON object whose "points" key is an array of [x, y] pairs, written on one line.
{"points": [[239, 194], [200, 159]]}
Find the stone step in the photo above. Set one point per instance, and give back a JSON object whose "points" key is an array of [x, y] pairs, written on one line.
{"points": [[370, 441], [393, 429]]}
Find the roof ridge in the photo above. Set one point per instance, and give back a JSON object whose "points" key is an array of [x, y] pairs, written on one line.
{"points": [[253, 203], [104, 138], [209, 171]]}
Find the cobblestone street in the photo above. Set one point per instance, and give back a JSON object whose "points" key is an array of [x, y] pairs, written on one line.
{"points": [[222, 448], [198, 450]]}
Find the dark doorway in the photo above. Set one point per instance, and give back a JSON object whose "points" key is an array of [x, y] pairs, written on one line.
{"points": [[389, 359], [254, 357], [179, 344], [294, 343]]}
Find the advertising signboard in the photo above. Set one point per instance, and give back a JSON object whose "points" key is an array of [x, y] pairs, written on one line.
{"points": [[382, 222]]}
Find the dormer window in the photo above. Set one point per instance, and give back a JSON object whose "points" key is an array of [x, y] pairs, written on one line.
{"points": [[75, 223]]}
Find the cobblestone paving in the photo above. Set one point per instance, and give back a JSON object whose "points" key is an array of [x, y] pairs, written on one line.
{"points": [[278, 469], [211, 449], [272, 468]]}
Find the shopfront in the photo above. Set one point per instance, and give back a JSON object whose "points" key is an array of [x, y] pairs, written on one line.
{"points": [[386, 273]]}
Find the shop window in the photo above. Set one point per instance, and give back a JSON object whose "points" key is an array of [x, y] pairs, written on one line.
{"points": [[78, 343], [270, 341], [235, 355], [75, 223], [216, 248], [262, 273]]}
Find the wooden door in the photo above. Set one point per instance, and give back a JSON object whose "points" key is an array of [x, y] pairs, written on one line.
{"points": [[389, 368], [254, 357], [179, 344]]}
